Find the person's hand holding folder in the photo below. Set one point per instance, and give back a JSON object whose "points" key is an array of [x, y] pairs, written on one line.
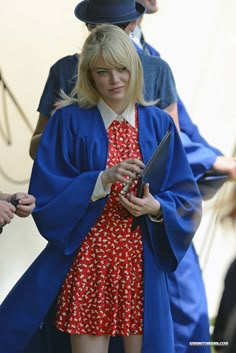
{"points": [[149, 183]]}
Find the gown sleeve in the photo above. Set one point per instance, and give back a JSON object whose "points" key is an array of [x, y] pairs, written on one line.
{"points": [[63, 183], [181, 208]]}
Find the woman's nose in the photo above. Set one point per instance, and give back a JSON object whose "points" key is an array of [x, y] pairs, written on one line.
{"points": [[114, 76]]}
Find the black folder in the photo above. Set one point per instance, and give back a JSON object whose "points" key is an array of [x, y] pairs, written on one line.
{"points": [[154, 171], [211, 182]]}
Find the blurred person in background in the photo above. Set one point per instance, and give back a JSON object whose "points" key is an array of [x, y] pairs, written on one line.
{"points": [[186, 286]]}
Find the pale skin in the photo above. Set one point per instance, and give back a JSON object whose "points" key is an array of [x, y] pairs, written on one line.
{"points": [[43, 120], [25, 206], [82, 343], [112, 85]]}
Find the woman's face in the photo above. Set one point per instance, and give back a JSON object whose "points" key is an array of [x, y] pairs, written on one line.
{"points": [[111, 83]]}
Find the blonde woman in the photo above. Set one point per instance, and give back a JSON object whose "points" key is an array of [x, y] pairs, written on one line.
{"points": [[111, 280]]}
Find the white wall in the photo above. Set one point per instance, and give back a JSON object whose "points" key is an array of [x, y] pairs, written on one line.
{"points": [[197, 39]]}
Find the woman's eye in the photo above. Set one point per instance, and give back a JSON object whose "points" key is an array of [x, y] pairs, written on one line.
{"points": [[121, 69], [102, 72]]}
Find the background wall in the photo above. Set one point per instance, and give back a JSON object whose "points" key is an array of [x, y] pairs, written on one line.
{"points": [[197, 39]]}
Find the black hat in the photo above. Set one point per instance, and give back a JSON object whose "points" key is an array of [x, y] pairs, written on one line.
{"points": [[108, 11]]}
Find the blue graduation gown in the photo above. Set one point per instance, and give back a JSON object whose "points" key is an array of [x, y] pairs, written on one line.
{"points": [[186, 287], [72, 152], [201, 155]]}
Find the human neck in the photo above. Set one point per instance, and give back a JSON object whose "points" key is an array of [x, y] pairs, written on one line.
{"points": [[138, 21]]}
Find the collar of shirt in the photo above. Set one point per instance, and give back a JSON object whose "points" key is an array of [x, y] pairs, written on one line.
{"points": [[136, 36], [108, 115]]}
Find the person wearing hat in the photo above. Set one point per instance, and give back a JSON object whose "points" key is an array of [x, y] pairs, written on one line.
{"points": [[200, 153], [186, 286], [158, 78], [109, 278]]}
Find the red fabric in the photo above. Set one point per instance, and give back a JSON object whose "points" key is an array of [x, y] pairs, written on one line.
{"points": [[103, 290]]}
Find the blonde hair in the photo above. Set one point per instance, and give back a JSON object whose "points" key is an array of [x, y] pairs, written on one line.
{"points": [[118, 51]]}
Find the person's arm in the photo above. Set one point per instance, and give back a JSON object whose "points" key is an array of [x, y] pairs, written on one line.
{"points": [[35, 139], [62, 76], [226, 165], [172, 110], [179, 201], [61, 183]]}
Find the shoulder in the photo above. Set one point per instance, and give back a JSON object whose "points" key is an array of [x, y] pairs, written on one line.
{"points": [[74, 113], [78, 121], [155, 69], [153, 61], [72, 110], [153, 110], [154, 116], [152, 50], [69, 61]]}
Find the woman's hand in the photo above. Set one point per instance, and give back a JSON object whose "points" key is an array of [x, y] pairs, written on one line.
{"points": [[141, 206], [125, 172]]}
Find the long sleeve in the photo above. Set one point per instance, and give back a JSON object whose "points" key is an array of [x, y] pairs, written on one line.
{"points": [[179, 197], [63, 181]]}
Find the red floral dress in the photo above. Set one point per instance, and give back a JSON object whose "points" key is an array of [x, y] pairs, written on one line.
{"points": [[103, 290]]}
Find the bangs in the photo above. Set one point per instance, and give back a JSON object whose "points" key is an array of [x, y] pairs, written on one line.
{"points": [[116, 57], [113, 44]]}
